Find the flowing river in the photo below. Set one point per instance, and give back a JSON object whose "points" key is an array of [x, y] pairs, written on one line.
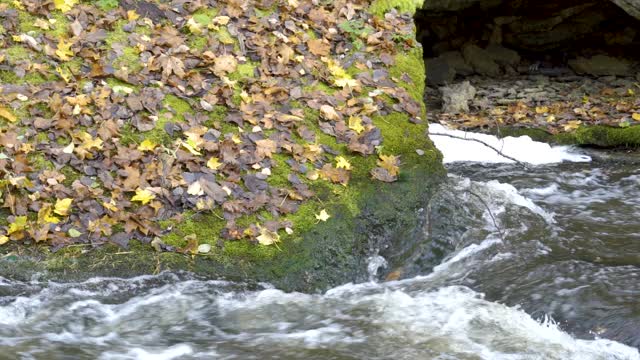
{"points": [[540, 262]]}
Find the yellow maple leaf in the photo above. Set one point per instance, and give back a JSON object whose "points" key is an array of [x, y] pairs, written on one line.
{"points": [[4, 239], [111, 205], [191, 147], [132, 15], [342, 163], [45, 215], [143, 196], [390, 163], [64, 5], [5, 113], [147, 145], [214, 163], [542, 109], [19, 224], [355, 124], [63, 206], [635, 116], [64, 51], [267, 237], [323, 216]]}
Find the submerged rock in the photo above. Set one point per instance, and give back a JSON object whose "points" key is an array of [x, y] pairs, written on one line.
{"points": [[456, 98]]}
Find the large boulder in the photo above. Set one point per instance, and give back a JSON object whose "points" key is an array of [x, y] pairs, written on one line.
{"points": [[601, 65], [270, 142]]}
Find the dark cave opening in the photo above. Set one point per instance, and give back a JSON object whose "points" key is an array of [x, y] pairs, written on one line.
{"points": [[523, 37]]}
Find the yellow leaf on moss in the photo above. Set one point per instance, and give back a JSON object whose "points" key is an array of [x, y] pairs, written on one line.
{"points": [[64, 51], [132, 15], [355, 124], [63, 206], [391, 163], [191, 146], [5, 113], [635, 116], [147, 145], [3, 239], [64, 5], [342, 163], [267, 237], [19, 224], [143, 196], [323, 216], [214, 163], [45, 215]]}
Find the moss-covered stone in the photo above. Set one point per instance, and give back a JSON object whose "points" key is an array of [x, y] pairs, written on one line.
{"points": [[594, 135], [366, 215]]}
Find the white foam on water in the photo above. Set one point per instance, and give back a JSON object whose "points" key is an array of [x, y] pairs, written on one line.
{"points": [[522, 148], [173, 352]]}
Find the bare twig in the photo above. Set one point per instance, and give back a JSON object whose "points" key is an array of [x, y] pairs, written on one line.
{"points": [[483, 143], [495, 223]]}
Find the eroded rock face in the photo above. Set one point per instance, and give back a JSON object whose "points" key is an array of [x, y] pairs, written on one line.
{"points": [[631, 7], [503, 38]]}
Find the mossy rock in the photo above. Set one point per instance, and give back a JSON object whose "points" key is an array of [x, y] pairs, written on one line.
{"points": [[367, 216], [592, 135]]}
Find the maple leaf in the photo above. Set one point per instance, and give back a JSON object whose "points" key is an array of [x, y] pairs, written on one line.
{"points": [[265, 148], [319, 47], [169, 64], [329, 113], [143, 196], [214, 163], [147, 145], [5, 113], [355, 124], [323, 216], [4, 239], [87, 144], [342, 163], [45, 215], [267, 237], [390, 163], [63, 206], [191, 147], [224, 64], [64, 51], [64, 5], [19, 224]]}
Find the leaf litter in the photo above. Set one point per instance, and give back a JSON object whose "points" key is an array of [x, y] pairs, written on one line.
{"points": [[120, 116]]}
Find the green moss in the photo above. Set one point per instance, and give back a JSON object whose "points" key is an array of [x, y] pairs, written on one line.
{"points": [[597, 135], [70, 175], [280, 171], [18, 53], [198, 43], [39, 162], [224, 36], [130, 59], [177, 106], [243, 71], [117, 35], [412, 64], [380, 7]]}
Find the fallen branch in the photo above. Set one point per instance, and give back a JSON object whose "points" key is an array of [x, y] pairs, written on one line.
{"points": [[483, 143]]}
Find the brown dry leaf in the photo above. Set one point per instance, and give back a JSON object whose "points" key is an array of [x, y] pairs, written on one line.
{"points": [[319, 47], [224, 64], [329, 113]]}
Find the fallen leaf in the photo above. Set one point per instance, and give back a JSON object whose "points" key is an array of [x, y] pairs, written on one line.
{"points": [[319, 47], [64, 51], [225, 64], [635, 116], [63, 206], [323, 216], [64, 5], [390, 163], [267, 237], [355, 124], [214, 163], [204, 248], [5, 113], [143, 196], [147, 145], [343, 163]]}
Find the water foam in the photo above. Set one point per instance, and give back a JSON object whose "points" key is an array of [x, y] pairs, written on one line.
{"points": [[522, 148]]}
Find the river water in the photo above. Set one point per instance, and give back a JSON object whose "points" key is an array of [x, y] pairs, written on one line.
{"points": [[542, 262]]}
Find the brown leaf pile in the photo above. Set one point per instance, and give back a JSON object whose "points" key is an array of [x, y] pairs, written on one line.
{"points": [[104, 133]]}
